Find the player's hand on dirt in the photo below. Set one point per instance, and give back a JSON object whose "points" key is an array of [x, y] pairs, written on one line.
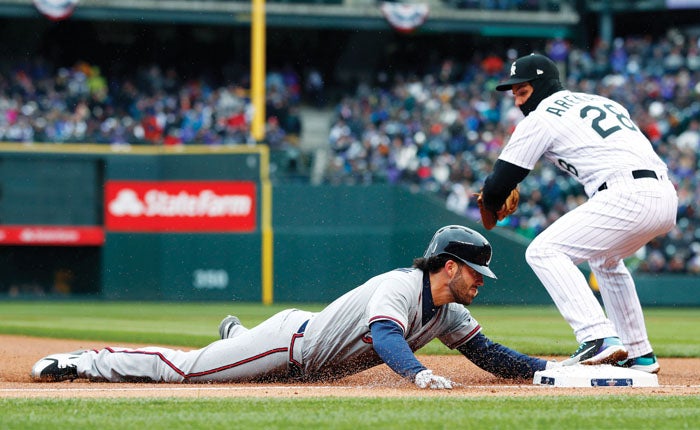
{"points": [[426, 379]]}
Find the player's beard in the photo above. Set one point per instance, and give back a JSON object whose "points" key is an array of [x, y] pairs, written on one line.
{"points": [[462, 292]]}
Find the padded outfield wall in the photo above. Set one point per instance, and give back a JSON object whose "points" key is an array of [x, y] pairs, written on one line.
{"points": [[57, 232]]}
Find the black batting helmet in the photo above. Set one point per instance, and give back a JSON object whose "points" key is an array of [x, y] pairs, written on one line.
{"points": [[463, 243], [529, 68]]}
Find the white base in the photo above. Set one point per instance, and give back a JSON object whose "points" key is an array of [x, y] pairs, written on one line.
{"points": [[595, 376]]}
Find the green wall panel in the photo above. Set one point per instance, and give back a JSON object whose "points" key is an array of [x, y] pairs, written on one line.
{"points": [[211, 267], [668, 290], [326, 239], [131, 265], [50, 190], [320, 266], [329, 239], [182, 267]]}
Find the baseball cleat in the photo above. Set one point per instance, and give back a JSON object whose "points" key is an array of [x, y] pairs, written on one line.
{"points": [[645, 363], [226, 325], [57, 367], [609, 350]]}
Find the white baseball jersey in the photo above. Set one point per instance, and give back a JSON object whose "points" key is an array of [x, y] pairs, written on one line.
{"points": [[297, 344], [337, 340], [588, 136], [593, 139]]}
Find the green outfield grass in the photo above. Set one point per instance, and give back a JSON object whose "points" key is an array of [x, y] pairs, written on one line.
{"points": [[595, 412], [534, 330], [537, 330]]}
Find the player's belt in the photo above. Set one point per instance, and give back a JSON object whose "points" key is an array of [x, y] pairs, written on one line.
{"points": [[295, 367], [636, 174], [302, 328]]}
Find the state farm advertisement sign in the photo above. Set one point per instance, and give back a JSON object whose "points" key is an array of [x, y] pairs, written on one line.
{"points": [[180, 206]]}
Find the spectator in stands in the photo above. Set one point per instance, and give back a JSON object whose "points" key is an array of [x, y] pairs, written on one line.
{"points": [[79, 105]]}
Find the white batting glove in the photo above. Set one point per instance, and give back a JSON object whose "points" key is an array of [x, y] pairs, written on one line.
{"points": [[426, 379]]}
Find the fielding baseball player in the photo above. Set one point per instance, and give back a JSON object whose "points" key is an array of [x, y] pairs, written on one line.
{"points": [[631, 200], [382, 321]]}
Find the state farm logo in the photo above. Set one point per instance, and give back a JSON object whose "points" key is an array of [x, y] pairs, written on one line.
{"points": [[126, 203], [161, 203], [180, 206]]}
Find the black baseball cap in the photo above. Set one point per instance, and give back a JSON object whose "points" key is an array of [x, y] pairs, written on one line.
{"points": [[529, 68]]}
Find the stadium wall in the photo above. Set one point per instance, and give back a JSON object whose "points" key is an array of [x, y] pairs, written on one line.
{"points": [[327, 239]]}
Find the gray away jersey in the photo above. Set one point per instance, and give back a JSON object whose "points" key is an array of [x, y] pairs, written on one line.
{"points": [[590, 137], [339, 338]]}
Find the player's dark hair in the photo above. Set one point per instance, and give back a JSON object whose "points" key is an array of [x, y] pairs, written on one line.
{"points": [[432, 264]]}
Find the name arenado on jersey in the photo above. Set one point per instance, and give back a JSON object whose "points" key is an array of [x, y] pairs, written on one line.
{"points": [[566, 102]]}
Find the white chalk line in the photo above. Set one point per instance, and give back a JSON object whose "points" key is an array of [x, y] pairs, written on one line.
{"points": [[292, 387], [168, 388]]}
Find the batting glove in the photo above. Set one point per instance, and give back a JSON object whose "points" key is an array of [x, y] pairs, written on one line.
{"points": [[426, 379]]}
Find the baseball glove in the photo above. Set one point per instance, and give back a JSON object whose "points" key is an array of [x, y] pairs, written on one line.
{"points": [[490, 218]]}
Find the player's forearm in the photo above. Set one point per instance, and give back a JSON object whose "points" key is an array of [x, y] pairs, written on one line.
{"points": [[500, 183], [500, 360], [389, 344]]}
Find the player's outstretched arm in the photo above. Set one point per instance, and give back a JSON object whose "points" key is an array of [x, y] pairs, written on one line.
{"points": [[501, 360], [499, 184], [388, 342]]}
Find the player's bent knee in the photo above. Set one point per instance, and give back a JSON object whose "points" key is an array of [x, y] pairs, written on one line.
{"points": [[534, 254], [539, 253]]}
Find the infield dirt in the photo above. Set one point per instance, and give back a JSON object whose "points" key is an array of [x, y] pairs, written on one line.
{"points": [[678, 376]]}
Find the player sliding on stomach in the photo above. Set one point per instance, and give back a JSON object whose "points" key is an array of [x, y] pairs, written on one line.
{"points": [[631, 201], [382, 321]]}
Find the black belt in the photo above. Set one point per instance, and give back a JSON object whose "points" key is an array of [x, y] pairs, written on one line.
{"points": [[636, 174]]}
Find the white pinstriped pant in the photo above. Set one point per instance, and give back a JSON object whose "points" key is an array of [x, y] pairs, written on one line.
{"points": [[610, 226]]}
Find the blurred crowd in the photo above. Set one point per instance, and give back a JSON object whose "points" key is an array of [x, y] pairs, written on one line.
{"points": [[438, 132], [78, 104], [441, 132]]}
